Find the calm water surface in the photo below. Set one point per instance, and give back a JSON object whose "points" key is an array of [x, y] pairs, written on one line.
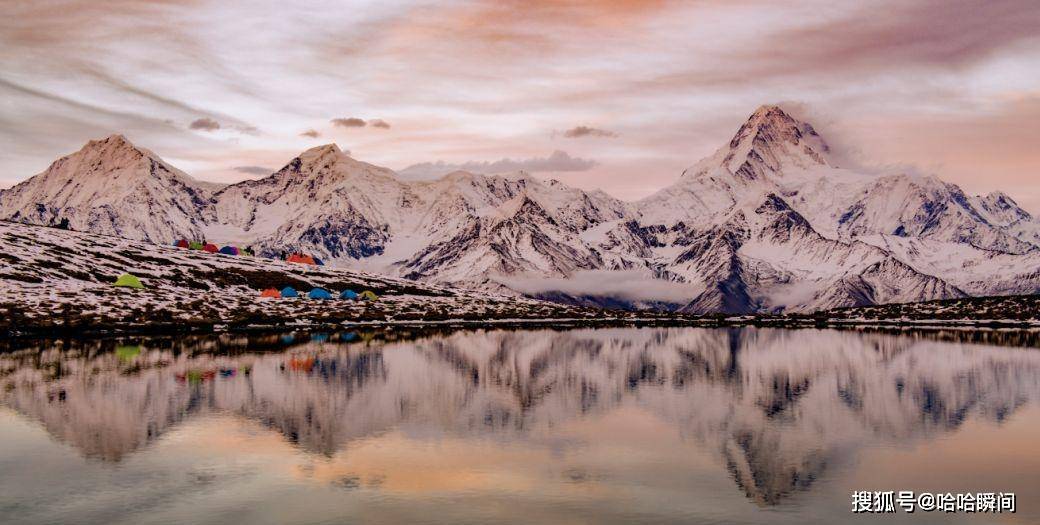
{"points": [[665, 425]]}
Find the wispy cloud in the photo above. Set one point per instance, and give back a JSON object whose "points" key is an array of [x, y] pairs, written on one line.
{"points": [[310, 133], [354, 122], [586, 131], [204, 124], [348, 122]]}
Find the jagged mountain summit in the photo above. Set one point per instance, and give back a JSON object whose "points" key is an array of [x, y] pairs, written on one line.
{"points": [[769, 222]]}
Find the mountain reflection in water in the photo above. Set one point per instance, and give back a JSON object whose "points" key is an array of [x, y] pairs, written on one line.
{"points": [[775, 408]]}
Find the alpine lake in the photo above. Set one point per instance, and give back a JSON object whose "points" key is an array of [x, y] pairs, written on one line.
{"points": [[604, 425]]}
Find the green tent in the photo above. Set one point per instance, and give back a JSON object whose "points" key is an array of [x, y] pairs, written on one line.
{"points": [[195, 245], [128, 281], [367, 295]]}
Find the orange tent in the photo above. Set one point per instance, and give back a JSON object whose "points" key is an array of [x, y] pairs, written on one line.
{"points": [[211, 248], [271, 292], [300, 258]]}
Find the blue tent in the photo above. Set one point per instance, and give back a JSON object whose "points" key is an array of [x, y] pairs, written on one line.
{"points": [[289, 291], [348, 294], [319, 293], [229, 250], [318, 261]]}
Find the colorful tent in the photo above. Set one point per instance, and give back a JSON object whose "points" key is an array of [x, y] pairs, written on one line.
{"points": [[348, 294], [229, 250], [301, 363], [271, 292], [211, 248], [289, 291], [318, 261], [195, 245], [128, 281], [300, 258], [368, 295], [183, 243], [319, 293]]}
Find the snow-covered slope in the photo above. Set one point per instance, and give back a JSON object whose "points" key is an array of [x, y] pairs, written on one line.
{"points": [[58, 279], [769, 222], [112, 187], [765, 256]]}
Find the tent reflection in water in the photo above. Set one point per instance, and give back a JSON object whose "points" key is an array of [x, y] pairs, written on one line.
{"points": [[128, 281], [128, 352], [289, 291]]}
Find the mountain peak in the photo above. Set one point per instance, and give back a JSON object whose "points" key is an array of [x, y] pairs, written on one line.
{"points": [[771, 139], [326, 154], [769, 111], [115, 138], [115, 142], [324, 149]]}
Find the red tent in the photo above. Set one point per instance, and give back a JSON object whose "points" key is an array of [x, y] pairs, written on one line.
{"points": [[300, 258], [271, 292], [183, 243], [211, 248]]}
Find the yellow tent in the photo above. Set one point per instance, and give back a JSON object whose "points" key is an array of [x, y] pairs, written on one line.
{"points": [[367, 295]]}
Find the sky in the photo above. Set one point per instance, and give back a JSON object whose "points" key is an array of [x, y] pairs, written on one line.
{"points": [[610, 94]]}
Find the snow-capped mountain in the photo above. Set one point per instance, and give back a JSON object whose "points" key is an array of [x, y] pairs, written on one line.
{"points": [[461, 229], [829, 236], [773, 152], [112, 187], [769, 222]]}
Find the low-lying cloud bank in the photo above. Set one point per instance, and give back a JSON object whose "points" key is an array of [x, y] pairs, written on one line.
{"points": [[558, 161], [629, 285]]}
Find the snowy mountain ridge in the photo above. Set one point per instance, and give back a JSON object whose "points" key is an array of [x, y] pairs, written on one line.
{"points": [[769, 222]]}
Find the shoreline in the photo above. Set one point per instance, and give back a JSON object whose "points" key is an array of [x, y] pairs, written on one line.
{"points": [[164, 328]]}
